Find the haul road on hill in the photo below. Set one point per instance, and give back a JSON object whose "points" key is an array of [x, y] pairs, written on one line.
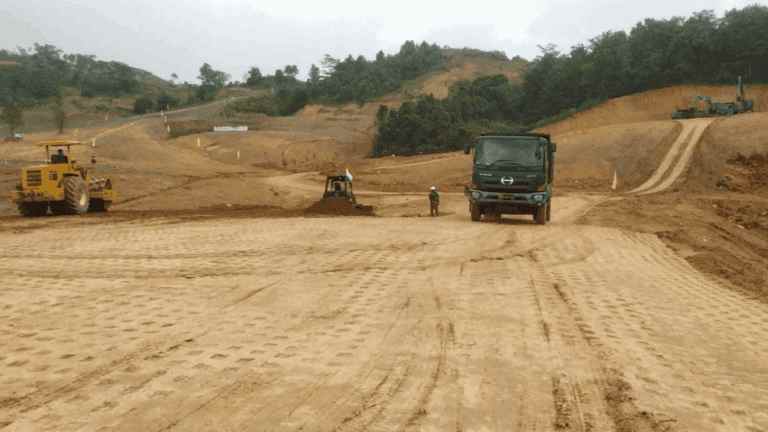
{"points": [[512, 174]]}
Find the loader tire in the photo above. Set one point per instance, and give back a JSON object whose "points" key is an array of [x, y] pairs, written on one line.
{"points": [[76, 197], [33, 209]]}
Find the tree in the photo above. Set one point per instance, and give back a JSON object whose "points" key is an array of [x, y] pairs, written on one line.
{"points": [[211, 77], [211, 82], [291, 70], [254, 77], [166, 102], [314, 75], [58, 111], [12, 116], [329, 65], [279, 78], [81, 67], [143, 105]]}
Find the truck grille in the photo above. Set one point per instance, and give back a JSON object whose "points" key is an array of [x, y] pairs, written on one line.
{"points": [[34, 178], [517, 187]]}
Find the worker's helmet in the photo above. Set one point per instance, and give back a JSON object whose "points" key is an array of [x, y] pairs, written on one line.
{"points": [[433, 188]]}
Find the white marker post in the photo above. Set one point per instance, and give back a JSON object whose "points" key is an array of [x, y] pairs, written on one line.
{"points": [[615, 180], [93, 143], [198, 142], [238, 155]]}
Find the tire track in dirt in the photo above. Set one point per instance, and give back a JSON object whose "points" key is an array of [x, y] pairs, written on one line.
{"points": [[445, 325], [669, 158], [677, 159], [354, 286]]}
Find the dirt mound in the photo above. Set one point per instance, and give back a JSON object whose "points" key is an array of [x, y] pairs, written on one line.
{"points": [[338, 207], [718, 160], [756, 166], [652, 105]]}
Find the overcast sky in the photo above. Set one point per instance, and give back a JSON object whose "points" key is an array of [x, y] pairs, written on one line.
{"points": [[166, 37]]}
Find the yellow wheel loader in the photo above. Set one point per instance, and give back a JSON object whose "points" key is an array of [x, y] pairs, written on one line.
{"points": [[61, 185]]}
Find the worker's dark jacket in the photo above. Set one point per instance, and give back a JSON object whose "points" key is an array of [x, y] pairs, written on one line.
{"points": [[434, 197]]}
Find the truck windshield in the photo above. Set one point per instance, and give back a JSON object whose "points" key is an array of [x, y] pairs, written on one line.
{"points": [[524, 152]]}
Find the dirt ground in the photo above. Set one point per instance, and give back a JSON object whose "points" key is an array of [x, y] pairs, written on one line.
{"points": [[209, 300]]}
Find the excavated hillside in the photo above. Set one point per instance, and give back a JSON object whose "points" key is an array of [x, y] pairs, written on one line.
{"points": [[652, 106]]}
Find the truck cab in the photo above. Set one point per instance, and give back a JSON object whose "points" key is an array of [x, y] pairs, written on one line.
{"points": [[511, 174]]}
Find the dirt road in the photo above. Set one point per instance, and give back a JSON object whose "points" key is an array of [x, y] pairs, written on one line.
{"points": [[677, 159], [370, 324]]}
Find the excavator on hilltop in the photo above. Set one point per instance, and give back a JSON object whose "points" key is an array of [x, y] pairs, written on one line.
{"points": [[703, 106]]}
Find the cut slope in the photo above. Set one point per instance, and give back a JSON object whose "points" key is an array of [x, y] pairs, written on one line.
{"points": [[652, 105], [588, 159], [745, 134]]}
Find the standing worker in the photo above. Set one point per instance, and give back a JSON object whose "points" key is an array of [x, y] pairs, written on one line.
{"points": [[434, 202]]}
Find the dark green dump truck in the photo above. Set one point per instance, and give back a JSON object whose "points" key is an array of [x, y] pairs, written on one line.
{"points": [[512, 174]]}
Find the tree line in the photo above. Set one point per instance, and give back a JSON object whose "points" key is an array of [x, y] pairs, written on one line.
{"points": [[39, 76], [353, 79], [655, 53]]}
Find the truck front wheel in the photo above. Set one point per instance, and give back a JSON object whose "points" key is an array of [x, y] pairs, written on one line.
{"points": [[540, 217], [549, 210], [474, 212]]}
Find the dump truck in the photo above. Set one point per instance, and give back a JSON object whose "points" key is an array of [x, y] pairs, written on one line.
{"points": [[61, 185], [511, 174], [704, 106]]}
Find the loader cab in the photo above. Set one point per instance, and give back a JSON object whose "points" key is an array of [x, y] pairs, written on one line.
{"points": [[59, 157], [55, 152]]}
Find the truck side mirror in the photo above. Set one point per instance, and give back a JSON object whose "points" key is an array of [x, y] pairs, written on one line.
{"points": [[467, 148], [554, 147]]}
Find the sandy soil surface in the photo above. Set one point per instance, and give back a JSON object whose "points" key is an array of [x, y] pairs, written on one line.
{"points": [[209, 300], [370, 324]]}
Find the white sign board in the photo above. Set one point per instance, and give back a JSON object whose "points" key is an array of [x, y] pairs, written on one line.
{"points": [[230, 128]]}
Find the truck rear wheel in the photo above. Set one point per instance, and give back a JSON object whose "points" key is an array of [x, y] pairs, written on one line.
{"points": [[474, 212], [540, 217], [33, 209], [76, 198]]}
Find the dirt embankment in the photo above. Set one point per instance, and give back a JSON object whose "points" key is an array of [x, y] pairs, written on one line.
{"points": [[587, 159], [717, 218]]}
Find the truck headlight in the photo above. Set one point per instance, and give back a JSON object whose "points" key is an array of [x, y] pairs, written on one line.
{"points": [[476, 195], [538, 197]]}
